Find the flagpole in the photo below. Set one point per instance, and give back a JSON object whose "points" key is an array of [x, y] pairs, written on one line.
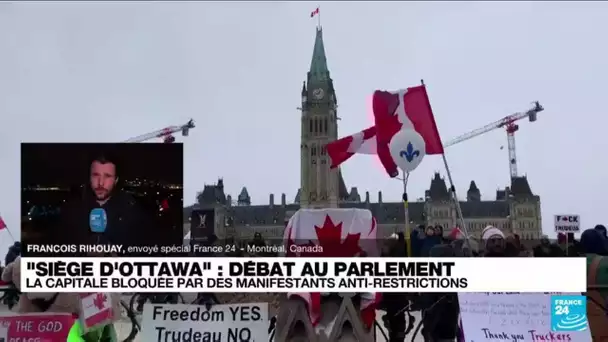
{"points": [[408, 242], [6, 227], [455, 197], [10, 234], [319, 16]]}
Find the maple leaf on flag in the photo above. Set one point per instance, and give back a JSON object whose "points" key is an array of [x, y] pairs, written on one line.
{"points": [[291, 242], [100, 300], [330, 239]]}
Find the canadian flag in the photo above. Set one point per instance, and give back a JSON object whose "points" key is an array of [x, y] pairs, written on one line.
{"points": [[393, 111], [339, 233], [96, 309]]}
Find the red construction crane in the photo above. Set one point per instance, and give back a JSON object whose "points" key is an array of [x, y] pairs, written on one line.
{"points": [[166, 133], [509, 123]]}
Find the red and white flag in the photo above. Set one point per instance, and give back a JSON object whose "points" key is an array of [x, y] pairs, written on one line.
{"points": [[95, 310], [363, 142], [315, 12], [393, 111], [340, 233]]}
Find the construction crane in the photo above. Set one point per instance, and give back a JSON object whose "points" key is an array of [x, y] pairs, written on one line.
{"points": [[166, 133], [509, 122]]}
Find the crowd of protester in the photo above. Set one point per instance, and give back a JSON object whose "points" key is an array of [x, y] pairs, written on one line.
{"points": [[440, 311]]}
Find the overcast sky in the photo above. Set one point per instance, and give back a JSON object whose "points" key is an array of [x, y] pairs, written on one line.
{"points": [[111, 70]]}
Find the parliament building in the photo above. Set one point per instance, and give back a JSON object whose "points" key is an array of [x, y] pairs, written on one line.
{"points": [[514, 208]]}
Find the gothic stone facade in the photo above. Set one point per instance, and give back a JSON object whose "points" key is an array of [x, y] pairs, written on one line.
{"points": [[515, 207]]}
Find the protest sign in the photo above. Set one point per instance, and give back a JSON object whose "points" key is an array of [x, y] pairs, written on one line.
{"points": [[567, 223], [517, 317], [96, 310], [225, 322], [39, 327]]}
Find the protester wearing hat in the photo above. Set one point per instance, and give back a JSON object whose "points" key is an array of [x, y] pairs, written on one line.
{"points": [[493, 241], [592, 242], [602, 229], [455, 234], [13, 252]]}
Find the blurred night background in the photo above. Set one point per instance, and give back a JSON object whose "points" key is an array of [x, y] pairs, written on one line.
{"points": [[53, 174]]}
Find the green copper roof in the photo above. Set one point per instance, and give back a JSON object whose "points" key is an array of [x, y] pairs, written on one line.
{"points": [[318, 65]]}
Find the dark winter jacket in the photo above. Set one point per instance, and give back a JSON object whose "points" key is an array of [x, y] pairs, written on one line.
{"points": [[440, 318], [602, 229], [427, 243], [593, 242], [547, 251], [13, 252], [415, 242]]}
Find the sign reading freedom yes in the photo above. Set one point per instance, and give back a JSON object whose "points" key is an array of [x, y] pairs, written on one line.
{"points": [[225, 322]]}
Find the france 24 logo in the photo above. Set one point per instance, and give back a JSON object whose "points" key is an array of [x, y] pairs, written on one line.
{"points": [[569, 313]]}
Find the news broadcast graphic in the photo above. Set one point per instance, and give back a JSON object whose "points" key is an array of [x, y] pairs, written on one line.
{"points": [[567, 223], [35, 326], [569, 313], [288, 275], [87, 200], [223, 322], [499, 316]]}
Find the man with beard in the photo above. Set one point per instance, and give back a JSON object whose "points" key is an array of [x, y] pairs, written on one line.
{"points": [[494, 242], [127, 223]]}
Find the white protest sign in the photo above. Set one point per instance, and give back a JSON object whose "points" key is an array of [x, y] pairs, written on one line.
{"points": [[225, 322], [513, 317], [567, 223], [4, 326]]}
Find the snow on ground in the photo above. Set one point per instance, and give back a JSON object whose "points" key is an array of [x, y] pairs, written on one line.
{"points": [[123, 327]]}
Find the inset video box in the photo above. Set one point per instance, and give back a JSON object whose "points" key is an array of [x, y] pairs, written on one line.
{"points": [[95, 200]]}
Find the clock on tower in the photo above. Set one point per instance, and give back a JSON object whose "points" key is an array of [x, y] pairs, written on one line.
{"points": [[318, 94]]}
